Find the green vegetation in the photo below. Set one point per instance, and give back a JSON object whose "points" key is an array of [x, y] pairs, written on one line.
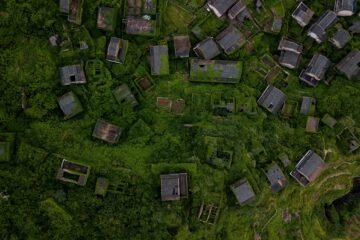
{"points": [[215, 147]]}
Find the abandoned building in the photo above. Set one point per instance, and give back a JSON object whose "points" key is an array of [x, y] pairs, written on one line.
{"points": [[272, 99], [64, 6], [243, 191], [290, 53], [345, 8], [70, 105], [107, 132], [302, 14], [355, 28], [350, 65], [102, 185], [208, 213], [75, 11], [312, 124], [341, 38], [159, 60], [308, 105], [123, 95], [318, 30], [73, 172], [217, 71], [144, 83], [141, 7], [117, 50], [72, 74], [139, 26], [174, 186], [106, 18], [315, 70], [182, 46], [329, 121], [220, 7], [230, 40], [207, 49], [276, 178], [7, 141], [308, 168], [237, 10]]}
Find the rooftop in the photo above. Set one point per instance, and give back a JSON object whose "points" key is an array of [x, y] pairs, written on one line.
{"points": [[288, 45], [73, 172], [350, 65], [182, 46], [106, 18], [272, 99], [243, 191], [174, 186], [230, 39], [159, 60], [308, 105], [123, 95], [70, 105], [312, 124], [303, 14], [207, 49], [72, 74], [101, 187], [107, 132], [318, 66], [308, 168], [345, 8], [117, 50], [341, 38], [219, 7], [276, 178], [139, 26], [219, 71]]}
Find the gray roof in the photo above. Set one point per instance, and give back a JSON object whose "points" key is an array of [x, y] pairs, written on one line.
{"points": [[345, 7], [303, 14], [107, 132], [272, 99], [318, 29], [182, 45], [243, 191], [355, 28], [116, 50], [207, 49], [289, 59], [219, 7], [174, 186], [318, 66], [230, 39], [215, 71], [288, 45], [310, 165], [327, 19], [318, 33], [236, 9], [306, 104], [350, 65], [64, 6], [276, 178], [70, 104], [72, 74], [159, 60], [341, 38]]}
